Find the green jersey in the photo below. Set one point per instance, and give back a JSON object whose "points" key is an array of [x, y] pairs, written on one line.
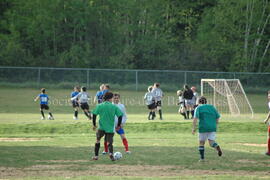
{"points": [[207, 115], [107, 111]]}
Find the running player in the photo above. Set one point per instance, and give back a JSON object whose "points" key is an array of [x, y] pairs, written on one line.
{"points": [[181, 103], [208, 118], [121, 132], [150, 101], [107, 112], [195, 99], [267, 121], [83, 98], [44, 99], [158, 95], [74, 102], [99, 94]]}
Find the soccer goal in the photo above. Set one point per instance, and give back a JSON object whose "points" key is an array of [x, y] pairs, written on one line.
{"points": [[227, 95]]}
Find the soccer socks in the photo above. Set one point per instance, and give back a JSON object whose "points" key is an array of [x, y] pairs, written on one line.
{"points": [[105, 146], [153, 115], [184, 114], [201, 151], [160, 114], [97, 146], [125, 143], [42, 113], [50, 114], [192, 113], [150, 114], [110, 148], [76, 114], [217, 147], [268, 145], [87, 114], [214, 145], [188, 114]]}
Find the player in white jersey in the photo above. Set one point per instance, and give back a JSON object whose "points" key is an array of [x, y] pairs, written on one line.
{"points": [[150, 101], [266, 121], [158, 95], [121, 132], [195, 99], [181, 103], [83, 98]]}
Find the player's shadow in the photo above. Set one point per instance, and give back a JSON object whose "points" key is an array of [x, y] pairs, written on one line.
{"points": [[186, 157]]}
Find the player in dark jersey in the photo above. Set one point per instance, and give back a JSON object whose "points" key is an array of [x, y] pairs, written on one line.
{"points": [[44, 99], [188, 95]]}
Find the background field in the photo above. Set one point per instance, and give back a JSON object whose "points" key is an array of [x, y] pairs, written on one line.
{"points": [[34, 149]]}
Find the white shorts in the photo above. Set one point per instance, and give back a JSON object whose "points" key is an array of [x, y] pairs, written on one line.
{"points": [[207, 136], [189, 102]]}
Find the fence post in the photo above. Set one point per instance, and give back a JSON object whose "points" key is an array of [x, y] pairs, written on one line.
{"points": [[38, 78], [136, 80], [185, 78], [87, 72]]}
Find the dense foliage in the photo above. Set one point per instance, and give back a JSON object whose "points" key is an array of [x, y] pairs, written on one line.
{"points": [[220, 35]]}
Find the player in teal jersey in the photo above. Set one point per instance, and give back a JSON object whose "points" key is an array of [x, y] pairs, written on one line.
{"points": [[107, 112], [208, 118]]}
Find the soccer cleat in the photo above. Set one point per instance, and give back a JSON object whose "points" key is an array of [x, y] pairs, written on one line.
{"points": [[95, 158], [112, 158], [128, 152], [42, 118], [104, 152], [219, 151], [201, 160], [267, 153], [161, 118], [75, 118]]}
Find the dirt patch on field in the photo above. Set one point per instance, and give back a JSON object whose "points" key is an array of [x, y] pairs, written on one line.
{"points": [[250, 144], [114, 170], [21, 139]]}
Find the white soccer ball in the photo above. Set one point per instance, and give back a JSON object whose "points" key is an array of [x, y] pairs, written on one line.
{"points": [[117, 155]]}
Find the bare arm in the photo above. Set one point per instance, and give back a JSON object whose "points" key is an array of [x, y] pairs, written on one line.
{"points": [[194, 125], [267, 118], [37, 98]]}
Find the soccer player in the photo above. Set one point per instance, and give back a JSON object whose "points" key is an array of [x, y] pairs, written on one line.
{"points": [[83, 98], [121, 132], [188, 95], [182, 108], [150, 101], [74, 102], [267, 121], [99, 94], [158, 95], [107, 112], [44, 99], [208, 118], [195, 99]]}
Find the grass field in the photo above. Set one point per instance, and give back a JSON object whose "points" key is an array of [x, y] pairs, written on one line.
{"points": [[61, 149]]}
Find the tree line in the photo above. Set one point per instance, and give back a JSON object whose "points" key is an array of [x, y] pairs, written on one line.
{"points": [[214, 35]]}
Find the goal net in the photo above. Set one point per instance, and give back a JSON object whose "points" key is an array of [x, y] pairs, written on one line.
{"points": [[227, 95]]}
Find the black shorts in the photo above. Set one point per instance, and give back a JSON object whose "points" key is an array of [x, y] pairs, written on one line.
{"points": [[84, 106], [44, 106], [158, 103], [75, 104], [151, 106], [108, 136]]}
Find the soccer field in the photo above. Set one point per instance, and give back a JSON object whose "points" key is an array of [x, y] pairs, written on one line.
{"points": [[31, 148]]}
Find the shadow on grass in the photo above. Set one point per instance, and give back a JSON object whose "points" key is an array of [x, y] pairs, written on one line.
{"points": [[80, 157]]}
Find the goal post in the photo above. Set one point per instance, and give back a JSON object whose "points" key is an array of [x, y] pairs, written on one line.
{"points": [[227, 95]]}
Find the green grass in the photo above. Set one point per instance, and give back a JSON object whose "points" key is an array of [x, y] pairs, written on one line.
{"points": [[61, 149]]}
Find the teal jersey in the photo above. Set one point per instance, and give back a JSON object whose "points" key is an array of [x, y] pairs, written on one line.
{"points": [[207, 115], [107, 112]]}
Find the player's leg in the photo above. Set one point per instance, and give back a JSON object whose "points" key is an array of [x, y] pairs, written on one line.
{"points": [[105, 147], [150, 112], [153, 114], [121, 132], [75, 106], [99, 135], [42, 112], [159, 109], [202, 139], [211, 139], [49, 112], [182, 111], [268, 142], [86, 111], [109, 139]]}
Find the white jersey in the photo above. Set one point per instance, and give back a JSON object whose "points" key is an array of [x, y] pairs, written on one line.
{"points": [[83, 97], [195, 98], [124, 117], [158, 93], [149, 98]]}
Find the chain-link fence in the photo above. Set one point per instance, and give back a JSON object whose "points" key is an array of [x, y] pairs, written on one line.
{"points": [[123, 79]]}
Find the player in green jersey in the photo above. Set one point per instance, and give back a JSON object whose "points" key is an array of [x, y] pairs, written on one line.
{"points": [[208, 118]]}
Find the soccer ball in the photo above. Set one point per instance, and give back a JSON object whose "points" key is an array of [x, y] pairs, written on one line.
{"points": [[117, 155], [50, 117]]}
